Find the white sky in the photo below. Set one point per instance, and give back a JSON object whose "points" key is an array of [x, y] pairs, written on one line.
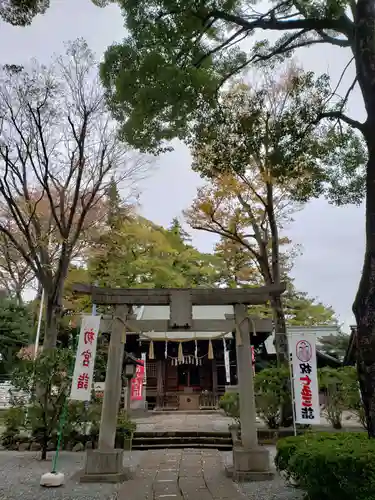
{"points": [[332, 238]]}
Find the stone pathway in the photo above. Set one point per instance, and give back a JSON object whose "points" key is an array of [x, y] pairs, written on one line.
{"points": [[180, 475], [213, 422]]}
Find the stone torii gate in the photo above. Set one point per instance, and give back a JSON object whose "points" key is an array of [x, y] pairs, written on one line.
{"points": [[250, 460]]}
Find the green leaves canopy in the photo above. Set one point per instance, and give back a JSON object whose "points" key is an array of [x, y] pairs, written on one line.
{"points": [[22, 12], [141, 254], [272, 129], [179, 53]]}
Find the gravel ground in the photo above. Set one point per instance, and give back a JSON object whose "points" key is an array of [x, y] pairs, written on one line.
{"points": [[20, 475], [277, 489]]}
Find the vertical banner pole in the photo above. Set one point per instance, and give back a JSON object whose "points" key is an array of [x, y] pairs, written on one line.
{"points": [[292, 388]]}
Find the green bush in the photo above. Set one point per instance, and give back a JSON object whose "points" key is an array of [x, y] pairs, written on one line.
{"points": [[338, 384], [230, 403], [272, 392], [353, 396], [125, 430], [330, 466], [14, 419]]}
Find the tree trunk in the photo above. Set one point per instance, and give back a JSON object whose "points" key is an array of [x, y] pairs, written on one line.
{"points": [[364, 304], [53, 317], [44, 445], [281, 340], [281, 347], [18, 294]]}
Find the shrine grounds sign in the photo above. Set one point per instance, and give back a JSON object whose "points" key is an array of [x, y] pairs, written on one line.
{"points": [[302, 348], [83, 375]]}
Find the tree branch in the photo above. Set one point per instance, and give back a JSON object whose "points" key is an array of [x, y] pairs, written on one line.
{"points": [[338, 115], [313, 24]]}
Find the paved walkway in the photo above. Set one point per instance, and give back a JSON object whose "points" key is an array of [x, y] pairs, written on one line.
{"points": [[213, 422], [173, 422], [180, 475]]}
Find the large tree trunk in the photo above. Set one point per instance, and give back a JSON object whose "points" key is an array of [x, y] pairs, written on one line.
{"points": [[364, 304], [281, 340], [53, 317]]}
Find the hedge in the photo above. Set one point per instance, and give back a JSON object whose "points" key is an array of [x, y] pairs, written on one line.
{"points": [[330, 466]]}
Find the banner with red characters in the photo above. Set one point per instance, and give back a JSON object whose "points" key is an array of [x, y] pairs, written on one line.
{"points": [[305, 378], [83, 375], [137, 382]]}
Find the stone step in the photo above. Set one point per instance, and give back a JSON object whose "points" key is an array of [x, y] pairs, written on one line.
{"points": [[203, 439], [161, 440], [192, 445], [159, 434]]}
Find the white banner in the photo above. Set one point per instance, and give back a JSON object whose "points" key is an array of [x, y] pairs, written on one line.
{"points": [[85, 359], [302, 348]]}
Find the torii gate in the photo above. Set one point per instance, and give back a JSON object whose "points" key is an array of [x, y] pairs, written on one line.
{"points": [[106, 463]]}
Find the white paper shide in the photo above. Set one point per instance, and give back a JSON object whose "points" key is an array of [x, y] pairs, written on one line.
{"points": [[302, 349], [85, 359]]}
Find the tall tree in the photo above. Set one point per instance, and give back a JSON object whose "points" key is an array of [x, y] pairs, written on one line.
{"points": [[58, 153], [180, 54], [148, 256], [262, 150], [239, 270]]}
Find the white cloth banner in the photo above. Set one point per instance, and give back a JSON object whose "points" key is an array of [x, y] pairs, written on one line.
{"points": [[83, 375], [226, 362], [302, 348]]}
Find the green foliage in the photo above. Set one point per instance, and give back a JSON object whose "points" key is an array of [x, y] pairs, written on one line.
{"points": [[330, 466], [272, 392], [141, 254], [341, 391], [48, 382], [279, 117], [22, 12], [230, 403], [15, 332], [335, 345], [15, 418], [176, 55], [125, 426], [353, 396], [302, 310]]}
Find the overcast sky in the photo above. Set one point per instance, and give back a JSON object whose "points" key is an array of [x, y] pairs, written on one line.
{"points": [[332, 238]]}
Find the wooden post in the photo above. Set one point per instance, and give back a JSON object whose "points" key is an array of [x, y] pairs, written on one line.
{"points": [[113, 381], [159, 382], [214, 377], [215, 397]]}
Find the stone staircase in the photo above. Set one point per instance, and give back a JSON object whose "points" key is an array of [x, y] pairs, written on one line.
{"points": [[156, 440]]}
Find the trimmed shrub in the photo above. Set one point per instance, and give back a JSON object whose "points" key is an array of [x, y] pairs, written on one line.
{"points": [[230, 403], [330, 466]]}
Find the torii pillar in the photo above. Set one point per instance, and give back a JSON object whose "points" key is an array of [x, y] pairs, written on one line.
{"points": [[251, 462], [106, 463]]}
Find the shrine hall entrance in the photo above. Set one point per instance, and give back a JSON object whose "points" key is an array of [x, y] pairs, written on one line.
{"points": [[188, 377]]}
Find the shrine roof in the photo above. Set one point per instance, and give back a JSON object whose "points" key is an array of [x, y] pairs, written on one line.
{"points": [[199, 313]]}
